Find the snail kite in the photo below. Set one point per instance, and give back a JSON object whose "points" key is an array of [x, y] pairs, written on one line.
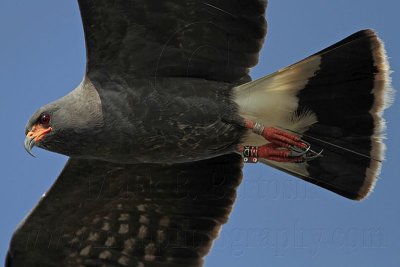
{"points": [[159, 128]]}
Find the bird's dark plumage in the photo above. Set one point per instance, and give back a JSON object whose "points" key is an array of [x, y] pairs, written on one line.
{"points": [[163, 74], [214, 40], [155, 128], [153, 68], [106, 214]]}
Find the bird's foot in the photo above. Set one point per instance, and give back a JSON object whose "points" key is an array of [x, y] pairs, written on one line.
{"points": [[283, 146], [273, 152]]}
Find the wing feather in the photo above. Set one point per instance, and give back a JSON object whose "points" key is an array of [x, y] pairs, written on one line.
{"points": [[216, 40], [109, 214]]}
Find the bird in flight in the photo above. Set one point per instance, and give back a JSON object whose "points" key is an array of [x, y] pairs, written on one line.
{"points": [[158, 131]]}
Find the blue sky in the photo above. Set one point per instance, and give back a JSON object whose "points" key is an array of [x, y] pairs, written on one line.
{"points": [[277, 220]]}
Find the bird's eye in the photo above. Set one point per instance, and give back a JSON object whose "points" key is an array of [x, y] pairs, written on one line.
{"points": [[44, 119]]}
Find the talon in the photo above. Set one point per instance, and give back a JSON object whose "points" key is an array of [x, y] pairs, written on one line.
{"points": [[312, 155], [297, 152]]}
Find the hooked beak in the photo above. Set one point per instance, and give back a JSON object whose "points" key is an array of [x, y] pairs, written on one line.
{"points": [[35, 135], [29, 144]]}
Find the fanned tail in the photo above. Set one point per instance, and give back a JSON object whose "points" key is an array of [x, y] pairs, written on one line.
{"points": [[335, 100]]}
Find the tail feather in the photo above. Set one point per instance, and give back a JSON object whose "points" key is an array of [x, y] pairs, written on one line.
{"points": [[335, 100]]}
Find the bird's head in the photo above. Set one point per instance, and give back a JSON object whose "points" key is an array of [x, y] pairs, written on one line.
{"points": [[69, 125], [41, 128]]}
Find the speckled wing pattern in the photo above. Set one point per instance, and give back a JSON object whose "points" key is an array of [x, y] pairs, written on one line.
{"points": [[105, 214], [213, 39]]}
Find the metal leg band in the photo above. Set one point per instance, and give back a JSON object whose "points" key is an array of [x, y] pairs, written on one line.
{"points": [[258, 128]]}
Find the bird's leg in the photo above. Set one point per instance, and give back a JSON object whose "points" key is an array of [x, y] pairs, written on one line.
{"points": [[271, 151], [283, 146], [268, 151], [279, 137]]}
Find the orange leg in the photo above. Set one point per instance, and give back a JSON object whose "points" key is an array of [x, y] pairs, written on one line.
{"points": [[283, 146], [276, 136], [270, 152]]}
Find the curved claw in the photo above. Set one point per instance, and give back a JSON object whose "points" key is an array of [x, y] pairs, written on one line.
{"points": [[312, 155], [298, 151]]}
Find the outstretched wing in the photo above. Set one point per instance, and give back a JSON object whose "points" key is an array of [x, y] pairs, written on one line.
{"points": [[104, 214], [213, 39]]}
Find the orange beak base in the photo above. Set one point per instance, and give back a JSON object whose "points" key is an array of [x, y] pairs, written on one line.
{"points": [[35, 135], [38, 132]]}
